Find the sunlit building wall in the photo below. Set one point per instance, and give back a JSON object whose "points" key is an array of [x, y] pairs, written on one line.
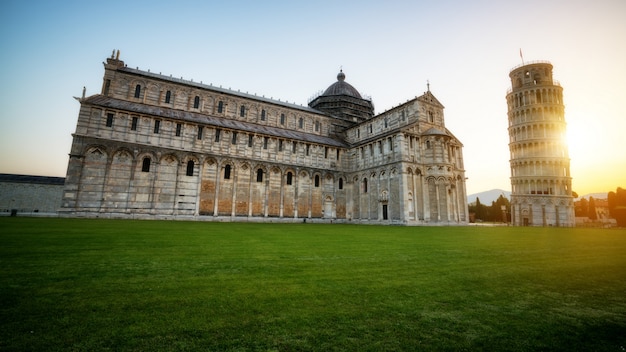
{"points": [[156, 146], [541, 183]]}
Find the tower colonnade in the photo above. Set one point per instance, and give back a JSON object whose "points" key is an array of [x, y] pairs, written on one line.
{"points": [[540, 165]]}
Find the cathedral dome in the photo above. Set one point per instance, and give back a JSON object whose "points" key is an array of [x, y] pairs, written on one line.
{"points": [[341, 87], [343, 101]]}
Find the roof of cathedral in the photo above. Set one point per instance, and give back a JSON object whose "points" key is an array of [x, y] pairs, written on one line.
{"points": [[341, 87], [42, 180], [434, 131], [101, 100], [430, 98]]}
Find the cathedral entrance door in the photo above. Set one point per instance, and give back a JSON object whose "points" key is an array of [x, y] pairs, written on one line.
{"points": [[328, 207]]}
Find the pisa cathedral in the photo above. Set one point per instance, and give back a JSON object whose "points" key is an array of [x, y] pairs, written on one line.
{"points": [[153, 146]]}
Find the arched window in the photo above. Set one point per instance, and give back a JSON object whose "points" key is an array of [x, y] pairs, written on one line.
{"points": [[282, 119], [365, 185], [263, 115], [168, 96], [300, 123], [190, 165], [427, 144], [227, 172], [145, 165], [196, 102], [137, 91], [289, 178], [317, 180], [220, 107], [340, 183], [317, 126], [259, 175], [242, 111]]}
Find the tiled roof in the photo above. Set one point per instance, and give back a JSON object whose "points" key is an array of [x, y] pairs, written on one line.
{"points": [[43, 180], [434, 131]]}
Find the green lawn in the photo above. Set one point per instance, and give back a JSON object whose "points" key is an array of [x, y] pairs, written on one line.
{"points": [[93, 285]]}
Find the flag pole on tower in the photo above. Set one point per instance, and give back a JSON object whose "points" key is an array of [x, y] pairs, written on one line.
{"points": [[521, 55]]}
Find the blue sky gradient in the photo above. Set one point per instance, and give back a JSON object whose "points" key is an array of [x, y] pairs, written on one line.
{"points": [[291, 50]]}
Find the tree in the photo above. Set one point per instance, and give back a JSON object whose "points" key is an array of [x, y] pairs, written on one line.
{"points": [[496, 209], [481, 210], [582, 208], [611, 199], [591, 212], [617, 206]]}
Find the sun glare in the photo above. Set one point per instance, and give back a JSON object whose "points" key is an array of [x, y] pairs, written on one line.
{"points": [[574, 137]]}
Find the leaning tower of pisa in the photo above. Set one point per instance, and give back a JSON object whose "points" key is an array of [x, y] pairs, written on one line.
{"points": [[541, 183]]}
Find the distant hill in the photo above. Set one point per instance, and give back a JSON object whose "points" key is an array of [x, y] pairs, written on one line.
{"points": [[486, 197], [598, 195]]}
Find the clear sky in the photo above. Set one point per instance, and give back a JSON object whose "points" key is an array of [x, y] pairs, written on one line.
{"points": [[293, 49]]}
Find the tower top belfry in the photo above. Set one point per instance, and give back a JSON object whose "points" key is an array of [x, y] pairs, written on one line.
{"points": [[532, 74]]}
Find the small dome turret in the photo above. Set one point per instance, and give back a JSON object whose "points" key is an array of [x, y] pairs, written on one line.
{"points": [[343, 101], [341, 87]]}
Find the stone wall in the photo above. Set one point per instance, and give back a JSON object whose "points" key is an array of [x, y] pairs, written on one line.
{"points": [[157, 146], [30, 194]]}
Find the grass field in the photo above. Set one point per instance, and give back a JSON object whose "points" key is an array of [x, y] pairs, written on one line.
{"points": [[117, 285]]}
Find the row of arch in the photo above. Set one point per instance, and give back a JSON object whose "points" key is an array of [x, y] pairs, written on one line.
{"points": [[543, 149], [542, 186], [187, 184], [557, 168], [146, 160], [538, 131], [551, 113], [148, 181], [536, 96]]}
